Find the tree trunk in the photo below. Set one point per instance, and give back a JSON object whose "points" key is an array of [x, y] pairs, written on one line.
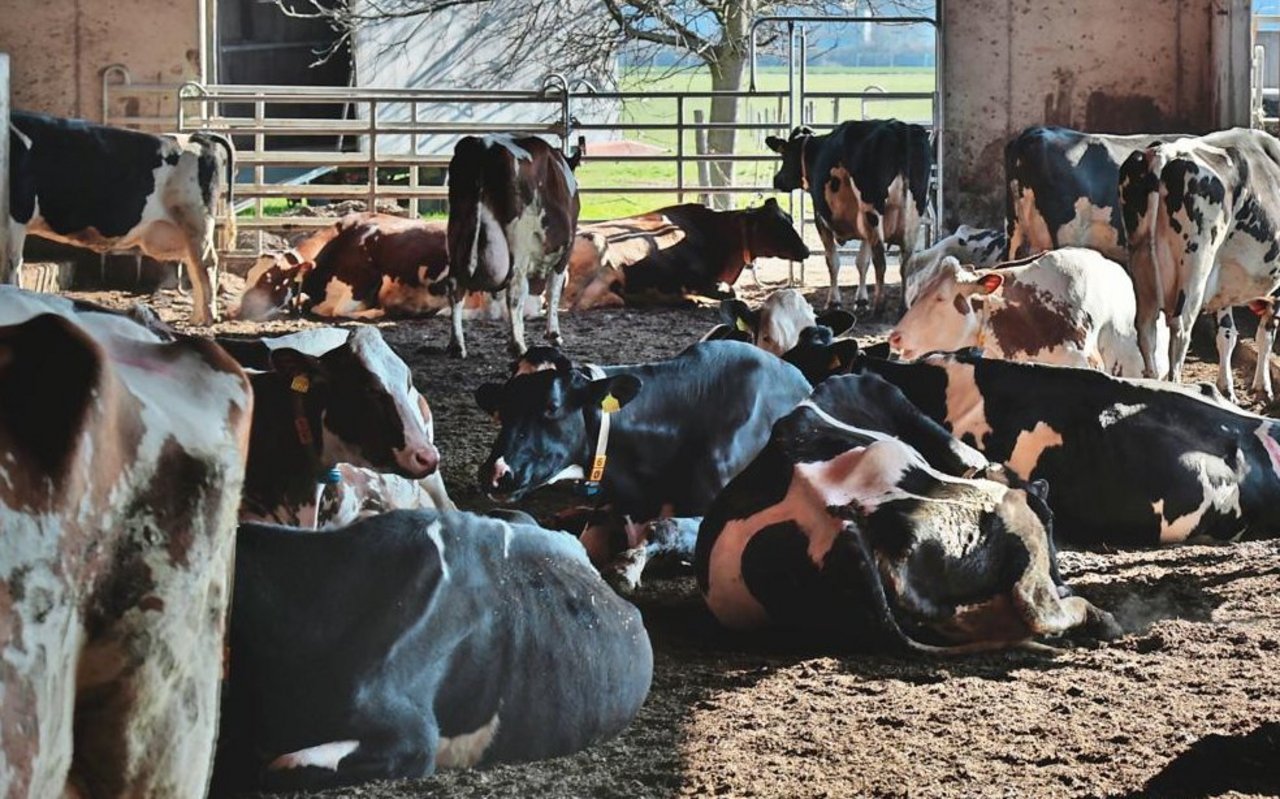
{"points": [[726, 75]]}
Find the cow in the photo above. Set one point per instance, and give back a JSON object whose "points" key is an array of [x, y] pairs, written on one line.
{"points": [[775, 326], [349, 493], [841, 529], [1266, 309], [1062, 189], [1203, 228], [273, 285], [513, 209], [672, 253], [869, 181], [110, 189], [328, 397], [972, 246], [677, 430], [1070, 306], [473, 642], [123, 460], [1129, 462]]}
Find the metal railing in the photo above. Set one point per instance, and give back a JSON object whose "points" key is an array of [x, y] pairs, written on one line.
{"points": [[1260, 92]]}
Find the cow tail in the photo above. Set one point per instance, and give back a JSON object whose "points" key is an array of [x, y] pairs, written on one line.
{"points": [[229, 169], [1156, 168]]}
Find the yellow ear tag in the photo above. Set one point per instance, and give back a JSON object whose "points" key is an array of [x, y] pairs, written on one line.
{"points": [[610, 404], [741, 324], [300, 384]]}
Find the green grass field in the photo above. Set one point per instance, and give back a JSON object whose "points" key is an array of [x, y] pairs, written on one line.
{"points": [[600, 172]]}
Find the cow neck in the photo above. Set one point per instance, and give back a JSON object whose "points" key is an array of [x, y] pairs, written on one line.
{"points": [[284, 459], [600, 457], [735, 260], [984, 321]]}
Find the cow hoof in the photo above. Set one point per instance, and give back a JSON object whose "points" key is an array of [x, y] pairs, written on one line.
{"points": [[623, 574], [455, 350], [555, 339]]}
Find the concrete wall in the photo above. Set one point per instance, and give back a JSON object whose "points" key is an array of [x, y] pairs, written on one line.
{"points": [[1106, 66], [58, 49]]}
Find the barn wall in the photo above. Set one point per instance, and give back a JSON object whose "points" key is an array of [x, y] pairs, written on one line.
{"points": [[1107, 66], [58, 49]]}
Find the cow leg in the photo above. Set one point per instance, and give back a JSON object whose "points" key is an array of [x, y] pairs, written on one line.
{"points": [[203, 263], [555, 286], [878, 258], [517, 290], [1147, 321], [1226, 340], [457, 343], [860, 300], [1265, 339], [833, 264]]}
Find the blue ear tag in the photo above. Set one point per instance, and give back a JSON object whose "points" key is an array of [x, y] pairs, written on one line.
{"points": [[332, 477], [588, 489]]}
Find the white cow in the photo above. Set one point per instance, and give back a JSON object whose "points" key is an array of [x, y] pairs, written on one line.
{"points": [[969, 245]]}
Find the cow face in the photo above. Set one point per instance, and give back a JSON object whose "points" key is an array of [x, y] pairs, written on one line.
{"points": [[771, 233], [372, 414], [947, 313], [776, 326], [273, 286], [545, 416], [791, 175], [818, 354]]}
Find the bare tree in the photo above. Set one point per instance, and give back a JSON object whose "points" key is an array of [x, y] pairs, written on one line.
{"points": [[591, 34]]}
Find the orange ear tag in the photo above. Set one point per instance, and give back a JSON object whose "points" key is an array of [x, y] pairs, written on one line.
{"points": [[597, 468]]}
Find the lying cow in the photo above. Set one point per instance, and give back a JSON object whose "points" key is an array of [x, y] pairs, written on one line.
{"points": [[849, 531], [980, 247], [1063, 189], [473, 642], [513, 209], [1203, 227], [869, 181], [111, 189], [123, 461], [1130, 463], [326, 397], [674, 252], [1071, 307], [775, 326], [677, 429]]}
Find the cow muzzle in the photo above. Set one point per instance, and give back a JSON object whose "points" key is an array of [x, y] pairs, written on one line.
{"points": [[420, 461]]}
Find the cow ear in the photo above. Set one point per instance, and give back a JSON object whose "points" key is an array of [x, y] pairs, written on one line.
{"points": [[839, 320], [489, 397], [1260, 305], [990, 282], [772, 202], [739, 315], [725, 333], [303, 372], [843, 355], [776, 144], [1039, 488], [612, 393]]}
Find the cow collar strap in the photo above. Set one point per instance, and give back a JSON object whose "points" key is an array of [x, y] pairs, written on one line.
{"points": [[608, 406]]}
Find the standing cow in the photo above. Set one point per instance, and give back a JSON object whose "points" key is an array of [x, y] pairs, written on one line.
{"points": [[112, 189], [869, 181], [513, 209], [1203, 223], [123, 460]]}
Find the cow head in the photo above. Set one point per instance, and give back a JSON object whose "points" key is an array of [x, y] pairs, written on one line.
{"points": [[947, 313], [771, 233], [273, 286], [792, 174], [776, 326], [371, 414], [548, 415], [818, 354]]}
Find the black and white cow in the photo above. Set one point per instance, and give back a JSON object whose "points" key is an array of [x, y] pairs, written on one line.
{"points": [[112, 189], [971, 246], [327, 397], [1062, 189], [513, 210], [1203, 223], [840, 526], [776, 325], [1129, 463], [470, 641], [869, 181]]}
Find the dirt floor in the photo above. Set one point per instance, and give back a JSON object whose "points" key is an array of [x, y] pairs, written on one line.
{"points": [[1184, 705]]}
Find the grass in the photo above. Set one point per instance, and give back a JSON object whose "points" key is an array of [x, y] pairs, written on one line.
{"points": [[601, 172]]}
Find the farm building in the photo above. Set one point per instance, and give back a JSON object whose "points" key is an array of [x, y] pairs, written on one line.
{"points": [[478, 464]]}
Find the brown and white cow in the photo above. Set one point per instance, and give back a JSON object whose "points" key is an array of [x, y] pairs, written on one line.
{"points": [[273, 285], [513, 209], [111, 189], [1202, 219], [1071, 307], [122, 465], [671, 253], [869, 181]]}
